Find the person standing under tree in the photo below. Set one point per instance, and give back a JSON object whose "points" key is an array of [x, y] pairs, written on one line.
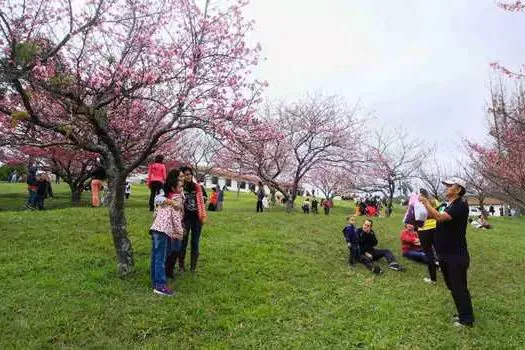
{"points": [[97, 177], [127, 189], [156, 179], [14, 177], [327, 204], [451, 247], [194, 217], [315, 205], [220, 198], [31, 187], [260, 196]]}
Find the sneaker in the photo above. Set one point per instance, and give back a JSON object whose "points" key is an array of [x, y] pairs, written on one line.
{"points": [[377, 270], [455, 318], [163, 290], [395, 266], [428, 280], [462, 325]]}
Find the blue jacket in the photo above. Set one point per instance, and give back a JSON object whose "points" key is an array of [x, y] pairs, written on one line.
{"points": [[352, 238]]}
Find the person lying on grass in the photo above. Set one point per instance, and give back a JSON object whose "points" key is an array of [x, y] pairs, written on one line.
{"points": [[368, 253]]}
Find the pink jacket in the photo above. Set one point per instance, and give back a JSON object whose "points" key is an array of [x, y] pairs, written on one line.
{"points": [[169, 220], [156, 172]]}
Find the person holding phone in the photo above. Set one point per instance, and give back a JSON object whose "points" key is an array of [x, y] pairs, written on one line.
{"points": [[451, 247]]}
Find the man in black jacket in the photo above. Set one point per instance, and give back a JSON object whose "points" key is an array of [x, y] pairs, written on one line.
{"points": [[368, 253]]}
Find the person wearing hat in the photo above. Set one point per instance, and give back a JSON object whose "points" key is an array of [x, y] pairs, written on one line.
{"points": [[451, 247]]}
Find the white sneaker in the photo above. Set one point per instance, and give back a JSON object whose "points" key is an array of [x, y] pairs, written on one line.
{"points": [[428, 280]]}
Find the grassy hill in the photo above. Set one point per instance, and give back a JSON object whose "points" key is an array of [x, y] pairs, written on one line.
{"points": [[270, 280]]}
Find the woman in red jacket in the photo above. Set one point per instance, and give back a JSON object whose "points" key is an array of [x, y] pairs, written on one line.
{"points": [[411, 245], [156, 179]]}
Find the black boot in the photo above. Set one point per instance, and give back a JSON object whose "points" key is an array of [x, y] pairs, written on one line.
{"points": [[193, 262], [170, 265]]}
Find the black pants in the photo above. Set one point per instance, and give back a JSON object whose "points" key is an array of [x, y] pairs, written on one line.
{"points": [[39, 201], [259, 206], [154, 186], [376, 255], [455, 276], [326, 210], [427, 243], [193, 228]]}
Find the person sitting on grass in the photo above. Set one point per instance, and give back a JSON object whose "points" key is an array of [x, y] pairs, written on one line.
{"points": [[483, 223], [212, 206], [368, 253], [352, 240], [411, 245], [480, 223]]}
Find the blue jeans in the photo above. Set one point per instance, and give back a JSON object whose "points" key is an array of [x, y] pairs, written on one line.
{"points": [[159, 244], [32, 198], [416, 255]]}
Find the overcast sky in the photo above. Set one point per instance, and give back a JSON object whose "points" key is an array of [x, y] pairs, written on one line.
{"points": [[420, 64]]}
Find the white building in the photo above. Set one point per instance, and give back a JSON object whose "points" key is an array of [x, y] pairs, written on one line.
{"points": [[231, 180], [500, 207]]}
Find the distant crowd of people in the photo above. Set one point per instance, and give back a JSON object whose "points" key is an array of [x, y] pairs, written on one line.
{"points": [[312, 205], [370, 206]]}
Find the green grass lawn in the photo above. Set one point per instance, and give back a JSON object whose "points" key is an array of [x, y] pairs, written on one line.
{"points": [[270, 280]]}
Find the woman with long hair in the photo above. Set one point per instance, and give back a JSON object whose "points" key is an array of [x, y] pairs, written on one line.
{"points": [[194, 217]]}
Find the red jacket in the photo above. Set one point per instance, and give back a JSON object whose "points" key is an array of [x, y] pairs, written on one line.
{"points": [[213, 198], [408, 239], [156, 172]]}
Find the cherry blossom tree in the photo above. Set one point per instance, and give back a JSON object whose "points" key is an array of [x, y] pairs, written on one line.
{"points": [[331, 180], [501, 160], [121, 78], [71, 164], [392, 159], [198, 149], [264, 155], [477, 184], [431, 175], [307, 133]]}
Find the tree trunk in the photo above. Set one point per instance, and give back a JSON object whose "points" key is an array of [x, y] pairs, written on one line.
{"points": [[389, 205], [76, 193], [391, 189], [291, 199], [484, 212], [272, 196], [117, 219]]}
